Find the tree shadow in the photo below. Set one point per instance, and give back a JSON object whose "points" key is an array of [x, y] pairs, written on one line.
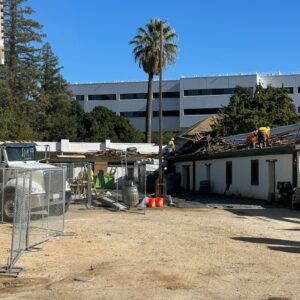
{"points": [[283, 245], [286, 249], [281, 214], [214, 199]]}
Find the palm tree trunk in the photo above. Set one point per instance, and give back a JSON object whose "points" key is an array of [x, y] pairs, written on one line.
{"points": [[149, 109]]}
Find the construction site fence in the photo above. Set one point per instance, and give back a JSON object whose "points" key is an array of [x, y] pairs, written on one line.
{"points": [[36, 199], [80, 177]]}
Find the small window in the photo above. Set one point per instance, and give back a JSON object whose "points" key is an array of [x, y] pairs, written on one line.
{"points": [[167, 95], [201, 111], [298, 109], [290, 90], [133, 96], [133, 114], [80, 97], [228, 173], [167, 113], [254, 172], [101, 97]]}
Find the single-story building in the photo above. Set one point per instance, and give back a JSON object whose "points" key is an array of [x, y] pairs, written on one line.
{"points": [[250, 173]]}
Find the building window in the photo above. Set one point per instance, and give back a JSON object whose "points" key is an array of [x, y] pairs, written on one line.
{"points": [[299, 90], [79, 97], [254, 172], [133, 96], [228, 173], [208, 92], [133, 114], [201, 111], [290, 90], [299, 109], [102, 97], [167, 95], [167, 113]]}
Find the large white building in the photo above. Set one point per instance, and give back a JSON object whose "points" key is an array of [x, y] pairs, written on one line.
{"points": [[185, 101]]}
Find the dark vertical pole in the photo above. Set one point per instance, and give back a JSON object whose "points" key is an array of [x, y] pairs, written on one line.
{"points": [[160, 109], [194, 176]]}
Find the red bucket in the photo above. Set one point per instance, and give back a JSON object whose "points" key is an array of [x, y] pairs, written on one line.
{"points": [[151, 202], [159, 202]]}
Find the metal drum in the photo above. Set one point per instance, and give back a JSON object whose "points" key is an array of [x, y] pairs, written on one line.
{"points": [[130, 195]]}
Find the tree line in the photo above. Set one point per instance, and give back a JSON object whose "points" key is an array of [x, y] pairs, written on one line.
{"points": [[35, 102]]}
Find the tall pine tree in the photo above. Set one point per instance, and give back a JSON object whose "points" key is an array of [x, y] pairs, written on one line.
{"points": [[21, 37], [58, 115]]}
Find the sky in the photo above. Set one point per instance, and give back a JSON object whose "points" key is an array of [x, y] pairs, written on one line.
{"points": [[91, 37]]}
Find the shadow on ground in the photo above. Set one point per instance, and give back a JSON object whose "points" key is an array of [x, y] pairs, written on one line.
{"points": [[241, 207], [270, 212], [273, 244]]}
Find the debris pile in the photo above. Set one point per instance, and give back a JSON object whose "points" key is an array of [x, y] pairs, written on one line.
{"points": [[116, 154], [206, 144]]}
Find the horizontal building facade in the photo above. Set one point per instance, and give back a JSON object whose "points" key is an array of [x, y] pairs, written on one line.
{"points": [[185, 101]]}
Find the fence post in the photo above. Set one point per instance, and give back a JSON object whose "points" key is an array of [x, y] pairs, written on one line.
{"points": [[89, 185], [29, 213]]}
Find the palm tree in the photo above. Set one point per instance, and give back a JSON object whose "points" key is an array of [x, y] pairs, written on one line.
{"points": [[146, 53]]}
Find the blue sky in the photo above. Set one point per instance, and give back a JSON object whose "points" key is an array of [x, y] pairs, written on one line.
{"points": [[91, 37]]}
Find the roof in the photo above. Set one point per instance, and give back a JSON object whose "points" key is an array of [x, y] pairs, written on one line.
{"points": [[197, 130], [284, 139], [286, 149]]}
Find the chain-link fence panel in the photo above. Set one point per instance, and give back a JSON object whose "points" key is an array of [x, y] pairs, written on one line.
{"points": [[55, 191], [20, 195], [47, 205], [34, 200], [80, 177]]}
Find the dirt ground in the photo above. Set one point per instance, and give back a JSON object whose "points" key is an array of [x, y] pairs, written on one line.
{"points": [[193, 252]]}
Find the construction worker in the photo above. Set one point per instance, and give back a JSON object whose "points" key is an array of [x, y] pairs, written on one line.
{"points": [[263, 136], [252, 139], [171, 146]]}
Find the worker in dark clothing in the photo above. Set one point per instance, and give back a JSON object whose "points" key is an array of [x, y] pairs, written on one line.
{"points": [[263, 137]]}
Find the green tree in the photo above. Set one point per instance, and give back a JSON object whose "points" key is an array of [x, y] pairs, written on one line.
{"points": [[21, 37], [101, 124], [248, 111], [146, 52], [58, 116]]}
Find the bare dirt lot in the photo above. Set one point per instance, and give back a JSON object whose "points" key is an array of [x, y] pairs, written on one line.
{"points": [[211, 252]]}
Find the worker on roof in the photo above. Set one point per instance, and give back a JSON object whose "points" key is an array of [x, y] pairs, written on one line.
{"points": [[251, 139], [171, 146], [263, 136]]}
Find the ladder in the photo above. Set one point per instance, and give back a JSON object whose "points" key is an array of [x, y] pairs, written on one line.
{"points": [[124, 168]]}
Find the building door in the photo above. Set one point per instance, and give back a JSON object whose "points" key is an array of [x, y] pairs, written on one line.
{"points": [[186, 177], [271, 179]]}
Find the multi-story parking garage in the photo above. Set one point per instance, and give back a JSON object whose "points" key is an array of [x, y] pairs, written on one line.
{"points": [[185, 101]]}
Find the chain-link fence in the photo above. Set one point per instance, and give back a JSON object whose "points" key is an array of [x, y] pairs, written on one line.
{"points": [[80, 177], [34, 200]]}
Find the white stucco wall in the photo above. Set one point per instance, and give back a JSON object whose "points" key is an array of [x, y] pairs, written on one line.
{"points": [[241, 174], [66, 146]]}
